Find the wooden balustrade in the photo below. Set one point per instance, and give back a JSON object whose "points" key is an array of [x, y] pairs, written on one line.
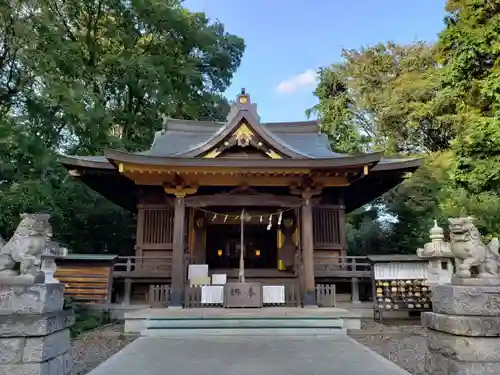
{"points": [[341, 266], [324, 266], [143, 267], [325, 295]]}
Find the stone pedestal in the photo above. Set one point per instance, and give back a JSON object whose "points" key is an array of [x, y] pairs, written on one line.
{"points": [[34, 331], [463, 330]]}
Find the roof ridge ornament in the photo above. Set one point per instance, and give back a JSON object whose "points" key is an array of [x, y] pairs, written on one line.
{"points": [[243, 103]]}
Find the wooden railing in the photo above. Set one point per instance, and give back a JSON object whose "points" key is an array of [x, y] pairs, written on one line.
{"points": [[159, 296], [324, 266], [325, 295], [338, 266], [293, 297], [143, 267]]}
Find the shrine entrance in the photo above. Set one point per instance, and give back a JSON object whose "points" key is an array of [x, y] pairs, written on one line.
{"points": [[223, 246]]}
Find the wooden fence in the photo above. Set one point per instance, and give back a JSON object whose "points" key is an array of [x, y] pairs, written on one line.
{"points": [[325, 295], [159, 296]]}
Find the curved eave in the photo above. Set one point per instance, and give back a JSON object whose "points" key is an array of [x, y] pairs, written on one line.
{"points": [[116, 157], [230, 127], [397, 164], [381, 179], [82, 162]]}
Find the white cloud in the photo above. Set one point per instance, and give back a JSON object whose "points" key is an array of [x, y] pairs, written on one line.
{"points": [[294, 83]]}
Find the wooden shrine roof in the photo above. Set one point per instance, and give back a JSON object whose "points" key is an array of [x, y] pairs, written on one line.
{"points": [[201, 144]]}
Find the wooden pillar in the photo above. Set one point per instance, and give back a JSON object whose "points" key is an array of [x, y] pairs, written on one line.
{"points": [[309, 295], [354, 284], [178, 274], [127, 291]]}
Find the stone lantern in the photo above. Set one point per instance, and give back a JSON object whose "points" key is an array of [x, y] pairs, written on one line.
{"points": [[438, 252], [49, 266]]}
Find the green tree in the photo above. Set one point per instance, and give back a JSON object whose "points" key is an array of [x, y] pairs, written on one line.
{"points": [[102, 73], [384, 97], [469, 50]]}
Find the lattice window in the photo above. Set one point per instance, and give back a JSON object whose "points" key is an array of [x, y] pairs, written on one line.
{"points": [[157, 226], [327, 227]]}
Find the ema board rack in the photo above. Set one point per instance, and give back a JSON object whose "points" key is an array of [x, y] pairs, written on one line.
{"points": [[403, 295], [399, 284]]}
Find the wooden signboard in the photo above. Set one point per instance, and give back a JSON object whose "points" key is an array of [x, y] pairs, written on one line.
{"points": [[242, 295]]}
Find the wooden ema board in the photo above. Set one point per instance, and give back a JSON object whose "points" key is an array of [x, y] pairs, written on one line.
{"points": [[85, 284]]}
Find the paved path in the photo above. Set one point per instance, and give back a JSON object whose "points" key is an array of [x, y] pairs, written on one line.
{"points": [[334, 355]]}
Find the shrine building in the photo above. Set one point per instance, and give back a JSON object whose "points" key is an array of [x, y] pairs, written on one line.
{"points": [[191, 188]]}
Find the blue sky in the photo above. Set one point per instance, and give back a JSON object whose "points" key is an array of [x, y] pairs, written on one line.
{"points": [[288, 40]]}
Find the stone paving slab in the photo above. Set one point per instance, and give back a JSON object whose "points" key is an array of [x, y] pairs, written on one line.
{"points": [[249, 355], [266, 312]]}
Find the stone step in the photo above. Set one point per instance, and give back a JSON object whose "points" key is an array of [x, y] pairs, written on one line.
{"points": [[245, 323], [229, 331]]}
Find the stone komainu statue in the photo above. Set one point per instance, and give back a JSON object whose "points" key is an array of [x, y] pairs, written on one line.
{"points": [[20, 257], [470, 253]]}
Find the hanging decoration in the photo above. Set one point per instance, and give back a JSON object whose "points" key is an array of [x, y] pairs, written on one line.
{"points": [[270, 225], [248, 217]]}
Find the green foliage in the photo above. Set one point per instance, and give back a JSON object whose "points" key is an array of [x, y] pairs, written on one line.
{"points": [[384, 98], [79, 76], [440, 101], [469, 48], [84, 321]]}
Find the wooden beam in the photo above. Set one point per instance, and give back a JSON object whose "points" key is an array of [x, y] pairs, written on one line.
{"points": [[235, 179], [243, 200]]}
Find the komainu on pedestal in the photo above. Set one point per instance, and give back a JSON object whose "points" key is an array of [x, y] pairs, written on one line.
{"points": [[34, 328], [464, 327], [476, 263], [20, 257]]}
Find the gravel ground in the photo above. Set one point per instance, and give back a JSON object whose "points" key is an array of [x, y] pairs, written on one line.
{"points": [[401, 342], [93, 348]]}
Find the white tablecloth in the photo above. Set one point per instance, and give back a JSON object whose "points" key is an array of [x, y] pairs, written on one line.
{"points": [[212, 294], [273, 294]]}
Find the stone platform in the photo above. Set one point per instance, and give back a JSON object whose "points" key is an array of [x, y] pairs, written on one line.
{"points": [[463, 330], [34, 331], [250, 355], [233, 322]]}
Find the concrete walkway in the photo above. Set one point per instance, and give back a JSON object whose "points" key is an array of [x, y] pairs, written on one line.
{"points": [[314, 355]]}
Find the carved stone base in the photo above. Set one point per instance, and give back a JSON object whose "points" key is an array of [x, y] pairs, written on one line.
{"points": [[35, 299], [438, 364], [6, 278], [472, 326], [34, 331], [466, 300], [473, 281], [463, 335]]}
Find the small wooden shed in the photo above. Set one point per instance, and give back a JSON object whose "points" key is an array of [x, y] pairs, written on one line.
{"points": [[88, 277]]}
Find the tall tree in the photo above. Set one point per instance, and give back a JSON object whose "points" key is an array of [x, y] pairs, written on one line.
{"points": [[102, 73], [469, 50], [383, 97], [107, 64]]}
